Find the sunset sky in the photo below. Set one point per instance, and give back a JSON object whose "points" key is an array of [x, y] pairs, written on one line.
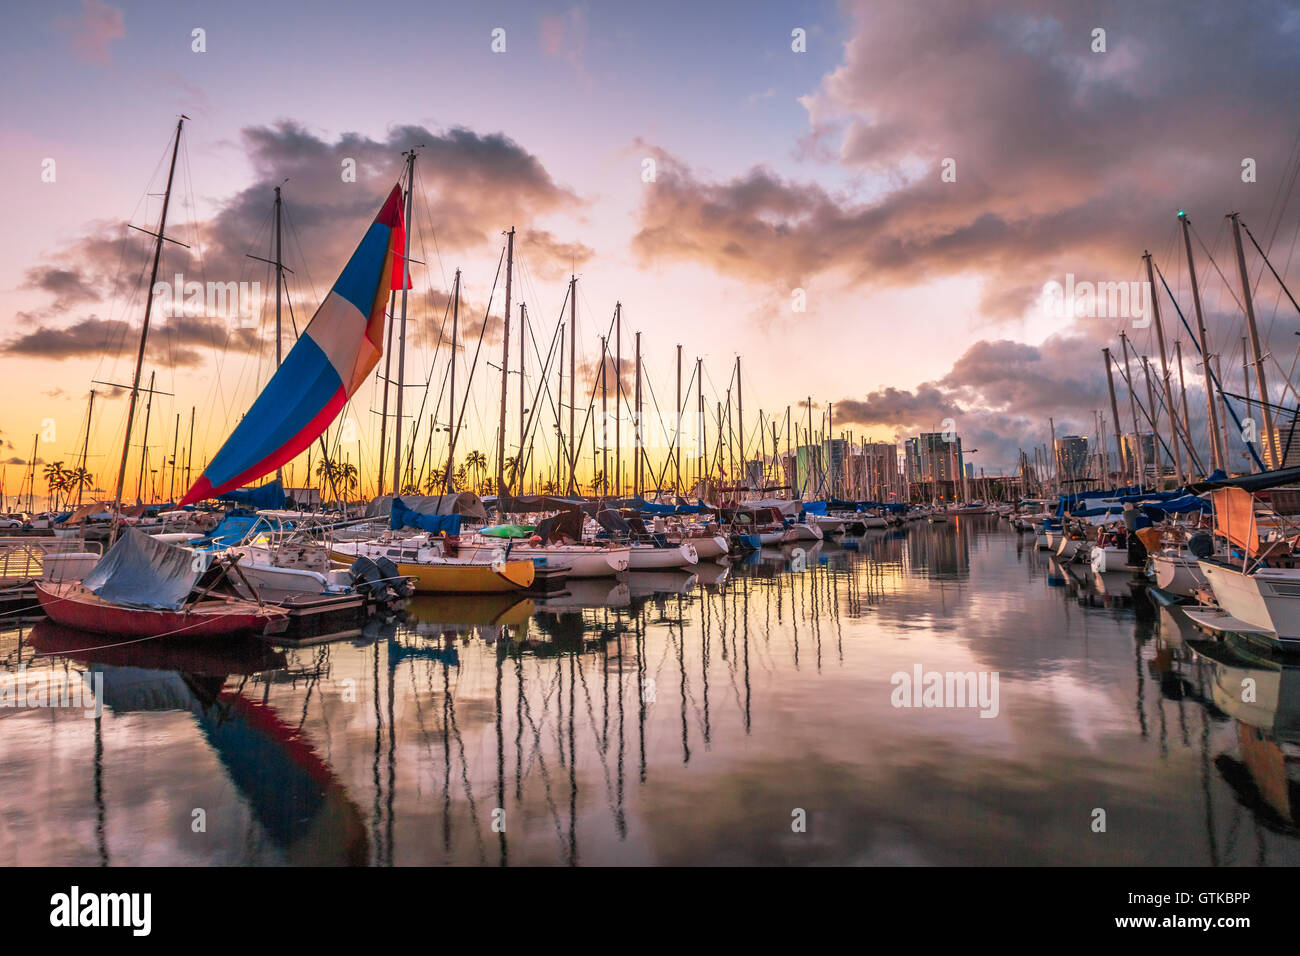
{"points": [[775, 170]]}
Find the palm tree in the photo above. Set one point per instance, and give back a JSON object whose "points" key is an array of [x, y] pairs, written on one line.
{"points": [[328, 474], [54, 482], [347, 475], [598, 483], [76, 479], [476, 461]]}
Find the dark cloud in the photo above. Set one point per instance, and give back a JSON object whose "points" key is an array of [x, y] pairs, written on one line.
{"points": [[469, 187], [177, 341], [1066, 160]]}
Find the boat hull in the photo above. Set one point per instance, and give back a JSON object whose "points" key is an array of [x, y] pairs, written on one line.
{"points": [[1175, 574], [659, 559], [72, 605], [1265, 599], [461, 577]]}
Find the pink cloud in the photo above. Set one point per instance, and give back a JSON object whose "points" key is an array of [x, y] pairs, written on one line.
{"points": [[92, 32]]}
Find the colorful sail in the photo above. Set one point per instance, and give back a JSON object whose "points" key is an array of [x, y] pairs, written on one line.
{"points": [[336, 353]]}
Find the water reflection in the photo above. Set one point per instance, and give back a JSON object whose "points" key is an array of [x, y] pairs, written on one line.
{"points": [[679, 718]]}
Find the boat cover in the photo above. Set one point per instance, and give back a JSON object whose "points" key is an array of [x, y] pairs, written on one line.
{"points": [[466, 504], [141, 571], [265, 498], [403, 517], [563, 526]]}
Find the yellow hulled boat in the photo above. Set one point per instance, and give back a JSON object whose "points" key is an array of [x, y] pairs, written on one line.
{"points": [[435, 574]]}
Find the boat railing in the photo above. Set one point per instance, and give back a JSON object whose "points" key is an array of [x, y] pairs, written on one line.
{"points": [[23, 559]]}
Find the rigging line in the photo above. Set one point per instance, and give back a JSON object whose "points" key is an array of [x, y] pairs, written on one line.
{"points": [[1293, 163], [487, 314], [533, 418], [1205, 364], [433, 232], [424, 400]]}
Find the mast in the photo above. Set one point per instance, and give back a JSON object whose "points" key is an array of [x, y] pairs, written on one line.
{"points": [[573, 377], [401, 339], [189, 451], [31, 491], [1218, 448], [559, 404], [1223, 416], [1270, 438], [701, 445], [1245, 378], [388, 366], [519, 455], [604, 414], [279, 285], [740, 427], [176, 441], [618, 399], [637, 487], [1182, 387], [451, 414], [1114, 411], [677, 433], [85, 448], [1151, 403], [1164, 372], [1139, 455], [144, 334], [144, 443], [505, 368]]}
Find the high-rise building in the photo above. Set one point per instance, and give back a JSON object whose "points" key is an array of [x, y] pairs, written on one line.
{"points": [[881, 477], [932, 457], [1071, 457], [1288, 448]]}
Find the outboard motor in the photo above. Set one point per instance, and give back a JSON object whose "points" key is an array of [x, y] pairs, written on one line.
{"points": [[400, 586], [1201, 544], [367, 577]]}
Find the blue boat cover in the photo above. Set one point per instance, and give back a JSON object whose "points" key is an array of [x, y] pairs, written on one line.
{"points": [[265, 497], [232, 530], [141, 571], [404, 517]]}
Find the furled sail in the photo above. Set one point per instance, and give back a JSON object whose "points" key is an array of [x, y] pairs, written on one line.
{"points": [[335, 354]]}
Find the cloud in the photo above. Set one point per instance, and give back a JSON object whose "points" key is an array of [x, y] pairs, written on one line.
{"points": [[91, 33], [563, 36], [176, 341], [468, 187], [1066, 160]]}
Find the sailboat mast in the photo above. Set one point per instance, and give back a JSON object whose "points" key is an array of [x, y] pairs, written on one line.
{"points": [[519, 455], [144, 332], [700, 446], [144, 443], [740, 425], [189, 451], [279, 287], [1270, 437], [637, 484], [1218, 449], [604, 413], [677, 434], [573, 378], [618, 399], [85, 448], [1164, 372], [1114, 411], [451, 401], [505, 369], [401, 344], [176, 444]]}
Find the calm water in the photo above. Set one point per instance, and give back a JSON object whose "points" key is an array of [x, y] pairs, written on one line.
{"points": [[673, 719]]}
